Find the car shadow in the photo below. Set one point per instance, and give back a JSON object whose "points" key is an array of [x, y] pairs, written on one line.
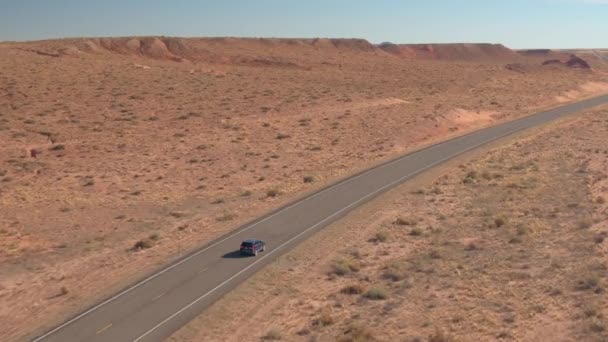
{"points": [[234, 255]]}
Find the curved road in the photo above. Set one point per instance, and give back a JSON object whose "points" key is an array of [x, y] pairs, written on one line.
{"points": [[154, 308]]}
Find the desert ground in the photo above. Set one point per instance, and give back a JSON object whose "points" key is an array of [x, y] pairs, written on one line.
{"points": [[119, 155], [506, 243]]}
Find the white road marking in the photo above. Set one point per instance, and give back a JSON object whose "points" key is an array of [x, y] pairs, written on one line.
{"points": [[157, 297], [203, 270], [104, 329], [315, 226]]}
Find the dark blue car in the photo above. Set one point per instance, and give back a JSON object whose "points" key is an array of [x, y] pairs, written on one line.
{"points": [[252, 246]]}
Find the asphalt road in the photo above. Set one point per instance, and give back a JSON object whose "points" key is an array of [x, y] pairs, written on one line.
{"points": [[602, 57], [154, 308]]}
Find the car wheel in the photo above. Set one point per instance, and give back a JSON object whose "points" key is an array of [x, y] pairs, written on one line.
{"points": [[255, 253]]}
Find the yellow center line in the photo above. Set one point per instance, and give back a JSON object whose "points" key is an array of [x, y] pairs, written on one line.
{"points": [[104, 328]]}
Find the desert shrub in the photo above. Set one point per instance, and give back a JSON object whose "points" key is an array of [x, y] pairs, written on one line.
{"points": [[142, 244], [272, 193], [440, 336], [588, 283], [499, 222], [352, 289], [246, 193], [597, 326], [434, 254], [308, 179], [218, 201], [394, 272], [600, 200], [344, 267], [226, 217], [57, 148], [584, 224], [357, 333], [599, 238], [437, 191], [88, 181], [471, 246], [63, 291], [303, 332], [282, 136], [405, 222], [381, 236], [154, 237], [324, 319], [468, 180], [177, 214], [272, 335], [515, 239], [522, 230], [376, 293], [415, 232]]}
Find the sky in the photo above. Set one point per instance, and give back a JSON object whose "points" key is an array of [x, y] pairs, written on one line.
{"points": [[515, 23]]}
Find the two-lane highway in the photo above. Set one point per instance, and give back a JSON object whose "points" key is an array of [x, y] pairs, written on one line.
{"points": [[157, 306]]}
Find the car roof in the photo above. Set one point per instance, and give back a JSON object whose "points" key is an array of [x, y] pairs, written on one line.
{"points": [[251, 240]]}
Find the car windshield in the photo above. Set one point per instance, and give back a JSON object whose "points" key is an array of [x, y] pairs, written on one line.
{"points": [[247, 244]]}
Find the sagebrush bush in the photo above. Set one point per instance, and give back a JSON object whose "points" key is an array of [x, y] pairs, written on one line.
{"points": [[376, 293]]}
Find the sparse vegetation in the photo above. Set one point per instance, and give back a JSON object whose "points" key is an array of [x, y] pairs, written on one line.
{"points": [[376, 293], [143, 244], [499, 222], [357, 333], [325, 319], [381, 236], [226, 217], [585, 224], [352, 289], [440, 336], [88, 181], [308, 179], [588, 283], [273, 193], [272, 335], [394, 272], [415, 232], [177, 214], [344, 267], [405, 222]]}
